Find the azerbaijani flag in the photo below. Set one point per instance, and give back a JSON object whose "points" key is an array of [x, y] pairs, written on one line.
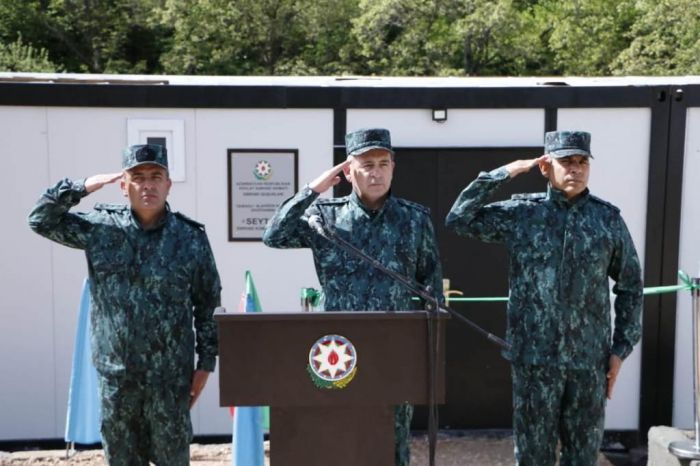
{"points": [[249, 421], [83, 416]]}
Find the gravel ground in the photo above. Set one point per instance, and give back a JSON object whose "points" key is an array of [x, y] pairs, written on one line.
{"points": [[470, 450]]}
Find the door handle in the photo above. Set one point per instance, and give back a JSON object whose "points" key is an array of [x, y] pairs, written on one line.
{"points": [[447, 292]]}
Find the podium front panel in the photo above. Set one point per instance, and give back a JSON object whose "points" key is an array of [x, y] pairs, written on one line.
{"points": [[264, 358], [340, 436]]}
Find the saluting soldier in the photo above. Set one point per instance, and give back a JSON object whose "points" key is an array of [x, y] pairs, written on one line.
{"points": [[152, 273], [396, 232], [564, 245]]}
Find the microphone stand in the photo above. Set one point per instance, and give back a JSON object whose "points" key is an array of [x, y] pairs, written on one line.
{"points": [[317, 223]]}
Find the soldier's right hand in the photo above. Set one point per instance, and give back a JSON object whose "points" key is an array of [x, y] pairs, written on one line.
{"points": [[329, 178], [523, 166], [95, 182]]}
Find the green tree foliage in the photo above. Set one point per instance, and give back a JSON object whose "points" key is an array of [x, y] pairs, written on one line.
{"points": [[18, 19], [249, 37], [665, 40], [326, 41], [583, 37], [18, 56], [441, 37], [365, 37], [99, 36]]}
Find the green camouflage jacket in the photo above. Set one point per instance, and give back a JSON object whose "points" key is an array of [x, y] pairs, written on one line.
{"points": [[146, 285], [561, 255], [400, 235]]}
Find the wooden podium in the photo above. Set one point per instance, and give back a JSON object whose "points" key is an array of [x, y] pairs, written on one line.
{"points": [[264, 360]]}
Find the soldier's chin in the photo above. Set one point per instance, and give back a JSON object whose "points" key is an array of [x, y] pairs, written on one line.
{"points": [[575, 190], [152, 205]]}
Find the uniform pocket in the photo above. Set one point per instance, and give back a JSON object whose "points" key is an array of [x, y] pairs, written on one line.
{"points": [[110, 262]]}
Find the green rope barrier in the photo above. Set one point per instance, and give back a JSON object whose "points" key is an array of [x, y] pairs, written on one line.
{"points": [[682, 276], [665, 289], [687, 284], [484, 299]]}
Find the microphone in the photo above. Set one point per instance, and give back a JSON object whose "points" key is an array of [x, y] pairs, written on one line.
{"points": [[316, 224]]}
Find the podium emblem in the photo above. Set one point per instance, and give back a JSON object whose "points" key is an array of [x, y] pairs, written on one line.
{"points": [[332, 362]]}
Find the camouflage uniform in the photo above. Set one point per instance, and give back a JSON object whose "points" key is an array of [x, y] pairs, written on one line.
{"points": [[146, 287], [561, 255], [400, 235]]}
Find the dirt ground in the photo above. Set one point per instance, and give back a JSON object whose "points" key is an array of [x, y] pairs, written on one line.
{"points": [[494, 450]]}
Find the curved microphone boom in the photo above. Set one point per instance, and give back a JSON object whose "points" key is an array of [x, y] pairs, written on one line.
{"points": [[317, 224]]}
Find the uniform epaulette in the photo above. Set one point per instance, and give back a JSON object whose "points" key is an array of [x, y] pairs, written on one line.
{"points": [[413, 205], [529, 196], [190, 221], [604, 202], [111, 207]]}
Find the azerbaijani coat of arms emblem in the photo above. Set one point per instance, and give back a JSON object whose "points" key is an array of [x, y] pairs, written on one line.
{"points": [[332, 362]]}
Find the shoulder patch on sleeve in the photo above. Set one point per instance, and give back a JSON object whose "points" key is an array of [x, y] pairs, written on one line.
{"points": [[194, 223], [534, 197], [604, 202], [111, 207]]}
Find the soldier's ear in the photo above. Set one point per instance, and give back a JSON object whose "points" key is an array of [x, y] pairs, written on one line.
{"points": [[545, 168], [347, 173], [122, 185]]}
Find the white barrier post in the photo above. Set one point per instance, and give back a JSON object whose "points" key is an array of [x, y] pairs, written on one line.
{"points": [[686, 449]]}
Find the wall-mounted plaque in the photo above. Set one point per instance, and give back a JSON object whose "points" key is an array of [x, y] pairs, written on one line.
{"points": [[259, 180]]}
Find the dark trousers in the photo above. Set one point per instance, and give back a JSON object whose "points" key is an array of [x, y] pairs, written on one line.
{"points": [[553, 404], [402, 434], [144, 422]]}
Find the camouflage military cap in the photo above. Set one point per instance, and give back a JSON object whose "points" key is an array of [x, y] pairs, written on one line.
{"points": [[142, 154], [561, 144], [360, 141]]}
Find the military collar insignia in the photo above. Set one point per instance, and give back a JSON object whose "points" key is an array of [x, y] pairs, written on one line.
{"points": [[332, 362], [161, 223], [372, 213], [557, 195]]}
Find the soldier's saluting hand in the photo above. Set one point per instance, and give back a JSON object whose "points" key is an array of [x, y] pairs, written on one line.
{"points": [[96, 182], [329, 178]]}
